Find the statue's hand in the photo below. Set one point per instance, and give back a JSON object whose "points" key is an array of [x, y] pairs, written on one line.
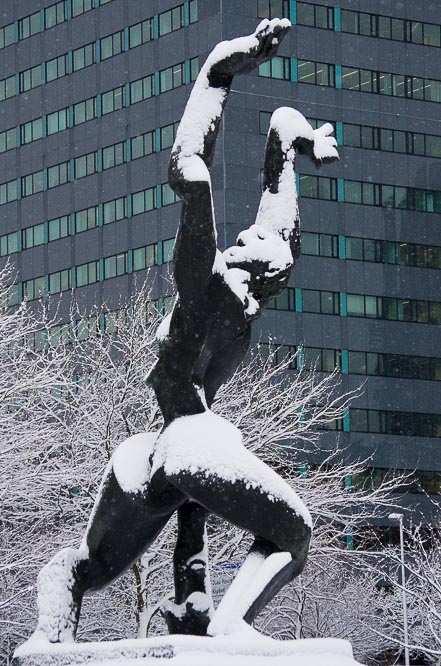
{"points": [[325, 145], [242, 55]]}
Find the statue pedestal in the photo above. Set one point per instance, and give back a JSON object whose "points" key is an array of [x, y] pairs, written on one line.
{"points": [[232, 650]]}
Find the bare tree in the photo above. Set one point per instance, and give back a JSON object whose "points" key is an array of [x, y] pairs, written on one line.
{"points": [[94, 396]]}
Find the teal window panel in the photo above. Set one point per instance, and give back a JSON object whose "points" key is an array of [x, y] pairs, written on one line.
{"points": [[42, 19], [73, 274], [337, 19], [129, 261], [71, 170], [340, 190], [343, 305], [160, 253], [101, 269], [156, 83], [294, 70], [338, 79], [69, 62], [349, 538], [155, 27], [100, 214], [44, 179], [293, 11], [97, 51], [71, 116], [346, 421], [344, 361], [341, 247], [68, 9], [17, 83], [129, 205], [157, 142], [127, 100], [126, 45], [186, 14], [348, 481], [339, 132], [99, 160], [16, 31], [187, 74], [298, 300], [128, 149], [158, 196], [72, 224]]}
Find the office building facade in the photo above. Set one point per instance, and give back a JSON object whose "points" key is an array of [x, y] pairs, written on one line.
{"points": [[91, 92]]}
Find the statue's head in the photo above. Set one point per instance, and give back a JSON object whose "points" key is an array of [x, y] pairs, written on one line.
{"points": [[266, 257]]}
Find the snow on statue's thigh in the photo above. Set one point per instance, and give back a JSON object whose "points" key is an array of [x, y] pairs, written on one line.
{"points": [[210, 445]]}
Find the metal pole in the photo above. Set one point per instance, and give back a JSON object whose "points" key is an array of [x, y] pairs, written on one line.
{"points": [[403, 584]]}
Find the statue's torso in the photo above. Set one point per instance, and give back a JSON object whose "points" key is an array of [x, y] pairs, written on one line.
{"points": [[205, 344]]}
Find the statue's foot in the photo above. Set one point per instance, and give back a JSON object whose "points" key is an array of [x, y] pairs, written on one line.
{"points": [[191, 617], [58, 610], [243, 54], [238, 628]]}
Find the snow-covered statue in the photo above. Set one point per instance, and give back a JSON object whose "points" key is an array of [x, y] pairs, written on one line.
{"points": [[197, 465]]}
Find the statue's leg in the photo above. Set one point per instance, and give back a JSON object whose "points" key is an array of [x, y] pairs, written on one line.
{"points": [[278, 519], [191, 611], [122, 526]]}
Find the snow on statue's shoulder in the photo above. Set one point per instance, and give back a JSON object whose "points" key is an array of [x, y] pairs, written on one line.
{"points": [[130, 461], [210, 445]]}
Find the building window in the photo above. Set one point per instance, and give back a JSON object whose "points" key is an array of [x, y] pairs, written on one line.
{"points": [[168, 195], [33, 289], [316, 16], [114, 155], [114, 210], [112, 45], [395, 423], [172, 77], [7, 36], [272, 8], [31, 131], [144, 257], [277, 68], [319, 245], [171, 20], [10, 243], [84, 111], [115, 266], [143, 201], [81, 6], [317, 73], [87, 273], [58, 175], [141, 89], [54, 15], [31, 78], [8, 140], [85, 165], [141, 33], [86, 219], [112, 100], [83, 57], [285, 301], [56, 68], [32, 183], [321, 302], [141, 145], [58, 228], [33, 236], [29, 25], [59, 281], [318, 187], [168, 135], [57, 121], [167, 250], [8, 192]]}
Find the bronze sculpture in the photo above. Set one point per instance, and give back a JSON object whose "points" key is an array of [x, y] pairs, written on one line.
{"points": [[201, 344]]}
